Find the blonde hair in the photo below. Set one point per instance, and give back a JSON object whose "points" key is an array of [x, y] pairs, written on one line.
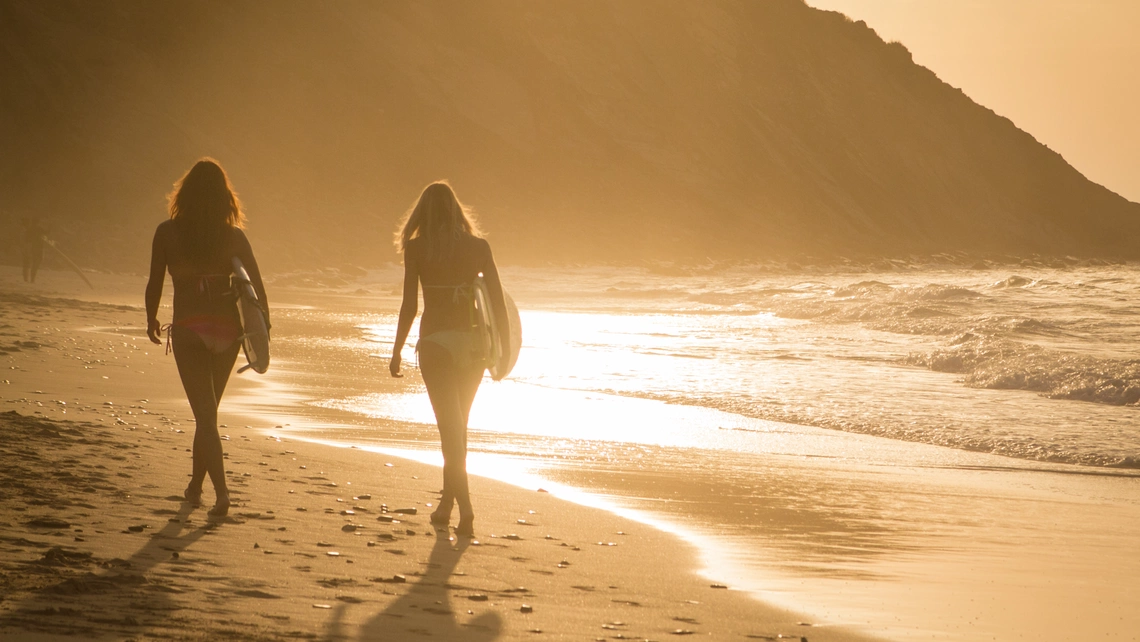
{"points": [[439, 219], [205, 206]]}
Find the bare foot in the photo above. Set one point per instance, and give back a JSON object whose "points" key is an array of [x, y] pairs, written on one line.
{"points": [[466, 526], [221, 507], [193, 497]]}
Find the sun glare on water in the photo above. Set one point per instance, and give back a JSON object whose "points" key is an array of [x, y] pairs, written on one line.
{"points": [[569, 362]]}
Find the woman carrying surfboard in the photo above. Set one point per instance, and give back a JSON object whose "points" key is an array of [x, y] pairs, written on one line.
{"points": [[198, 245], [444, 250]]}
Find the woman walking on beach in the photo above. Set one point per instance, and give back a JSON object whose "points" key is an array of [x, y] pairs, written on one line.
{"points": [[444, 250], [197, 245]]}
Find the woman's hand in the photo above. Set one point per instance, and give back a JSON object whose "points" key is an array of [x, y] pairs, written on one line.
{"points": [[394, 365], [154, 331]]}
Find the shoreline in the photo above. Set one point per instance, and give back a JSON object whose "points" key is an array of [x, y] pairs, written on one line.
{"points": [[922, 532], [104, 548], [931, 551]]}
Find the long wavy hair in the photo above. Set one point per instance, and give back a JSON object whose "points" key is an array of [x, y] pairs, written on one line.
{"points": [[439, 219], [205, 206]]}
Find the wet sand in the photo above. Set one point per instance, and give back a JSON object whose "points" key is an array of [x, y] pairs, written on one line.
{"points": [[904, 540], [322, 542]]}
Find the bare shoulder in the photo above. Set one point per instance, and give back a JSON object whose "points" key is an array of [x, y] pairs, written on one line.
{"points": [[240, 240], [484, 248], [164, 233]]}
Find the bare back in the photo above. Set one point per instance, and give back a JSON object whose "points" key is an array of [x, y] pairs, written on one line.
{"points": [[443, 310]]}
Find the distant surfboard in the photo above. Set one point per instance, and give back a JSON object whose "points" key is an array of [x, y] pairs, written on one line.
{"points": [[255, 331], [71, 264], [490, 331]]}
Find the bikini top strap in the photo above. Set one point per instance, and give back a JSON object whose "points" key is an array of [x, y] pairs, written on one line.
{"points": [[466, 290], [203, 284]]}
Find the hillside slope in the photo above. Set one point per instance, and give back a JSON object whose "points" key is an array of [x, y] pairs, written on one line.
{"points": [[617, 130]]}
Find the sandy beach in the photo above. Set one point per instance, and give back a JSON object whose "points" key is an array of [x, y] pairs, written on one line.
{"points": [[323, 542], [828, 308]]}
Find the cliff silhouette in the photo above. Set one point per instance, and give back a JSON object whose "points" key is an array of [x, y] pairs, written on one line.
{"points": [[583, 130]]}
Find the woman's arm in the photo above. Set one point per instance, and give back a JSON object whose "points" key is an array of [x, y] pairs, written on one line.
{"points": [[408, 309], [245, 253], [498, 303], [154, 285]]}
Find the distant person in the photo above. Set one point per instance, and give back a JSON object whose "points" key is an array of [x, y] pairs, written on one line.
{"points": [[443, 249], [32, 247], [197, 244]]}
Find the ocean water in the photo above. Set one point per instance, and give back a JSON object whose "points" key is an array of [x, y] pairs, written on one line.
{"points": [[801, 425], [921, 356]]}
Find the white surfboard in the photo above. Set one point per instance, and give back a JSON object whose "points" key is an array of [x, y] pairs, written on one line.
{"points": [[255, 332], [490, 331]]}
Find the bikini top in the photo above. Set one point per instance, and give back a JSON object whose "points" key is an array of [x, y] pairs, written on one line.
{"points": [[462, 295], [208, 286], [467, 290]]}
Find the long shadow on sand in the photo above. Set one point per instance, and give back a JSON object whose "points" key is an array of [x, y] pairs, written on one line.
{"points": [[425, 610], [52, 582], [84, 595]]}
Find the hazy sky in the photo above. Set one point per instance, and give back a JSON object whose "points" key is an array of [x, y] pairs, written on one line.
{"points": [[1066, 71]]}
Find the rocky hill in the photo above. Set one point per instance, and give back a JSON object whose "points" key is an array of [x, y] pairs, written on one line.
{"points": [[581, 130]]}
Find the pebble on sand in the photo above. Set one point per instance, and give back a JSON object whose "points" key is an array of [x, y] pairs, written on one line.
{"points": [[47, 522]]}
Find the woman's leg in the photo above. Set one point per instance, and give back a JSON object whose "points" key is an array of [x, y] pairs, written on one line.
{"points": [[204, 376], [451, 393], [223, 365], [468, 381]]}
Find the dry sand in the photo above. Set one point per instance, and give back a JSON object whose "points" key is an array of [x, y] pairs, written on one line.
{"points": [[96, 543]]}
